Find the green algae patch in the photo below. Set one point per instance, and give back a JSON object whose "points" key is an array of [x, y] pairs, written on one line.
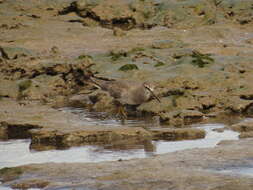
{"points": [[201, 60], [159, 64], [115, 55], [8, 174], [24, 85], [84, 57], [128, 67]]}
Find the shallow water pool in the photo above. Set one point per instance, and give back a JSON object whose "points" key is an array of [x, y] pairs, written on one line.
{"points": [[17, 152]]}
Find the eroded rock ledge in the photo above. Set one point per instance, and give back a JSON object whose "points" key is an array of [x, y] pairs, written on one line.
{"points": [[50, 128]]}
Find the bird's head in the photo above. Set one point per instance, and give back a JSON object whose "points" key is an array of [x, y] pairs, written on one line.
{"points": [[150, 87]]}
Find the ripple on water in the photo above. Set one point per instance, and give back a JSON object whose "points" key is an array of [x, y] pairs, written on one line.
{"points": [[101, 118], [240, 170], [246, 170]]}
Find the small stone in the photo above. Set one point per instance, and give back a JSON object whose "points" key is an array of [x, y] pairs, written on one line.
{"points": [[118, 32], [55, 50], [81, 5], [3, 132], [9, 89], [14, 52], [249, 41]]}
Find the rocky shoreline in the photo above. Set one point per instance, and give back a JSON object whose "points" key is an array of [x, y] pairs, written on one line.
{"points": [[198, 53]]}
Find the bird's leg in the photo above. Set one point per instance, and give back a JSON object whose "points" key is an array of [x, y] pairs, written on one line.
{"points": [[122, 112]]}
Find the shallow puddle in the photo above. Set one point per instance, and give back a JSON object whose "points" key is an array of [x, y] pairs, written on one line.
{"points": [[17, 152], [246, 171], [86, 117], [241, 170]]}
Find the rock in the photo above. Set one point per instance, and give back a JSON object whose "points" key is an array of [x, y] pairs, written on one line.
{"points": [[90, 22], [220, 130], [27, 184], [246, 135], [55, 50], [8, 174], [191, 116], [238, 105], [57, 129], [102, 101], [91, 135], [60, 101], [81, 5], [249, 41], [84, 8], [84, 4], [3, 132], [172, 118], [80, 100], [118, 32], [16, 130], [187, 102], [45, 86], [177, 134], [170, 91], [9, 89], [181, 117], [245, 126], [14, 52], [207, 102], [165, 44]]}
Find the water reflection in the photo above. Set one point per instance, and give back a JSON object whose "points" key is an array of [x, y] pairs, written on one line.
{"points": [[103, 119], [17, 152]]}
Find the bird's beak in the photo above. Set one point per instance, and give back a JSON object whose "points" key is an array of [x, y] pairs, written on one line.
{"points": [[153, 94]]}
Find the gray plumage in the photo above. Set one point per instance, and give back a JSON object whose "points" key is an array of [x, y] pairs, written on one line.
{"points": [[127, 92]]}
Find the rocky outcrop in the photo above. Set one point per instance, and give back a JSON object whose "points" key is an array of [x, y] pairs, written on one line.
{"points": [[245, 128], [50, 128], [43, 139], [177, 134], [14, 52], [147, 14]]}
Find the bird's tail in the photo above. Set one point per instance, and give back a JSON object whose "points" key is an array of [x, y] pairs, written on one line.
{"points": [[95, 81], [98, 81]]}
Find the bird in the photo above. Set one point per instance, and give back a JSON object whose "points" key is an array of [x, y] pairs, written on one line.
{"points": [[127, 92]]}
